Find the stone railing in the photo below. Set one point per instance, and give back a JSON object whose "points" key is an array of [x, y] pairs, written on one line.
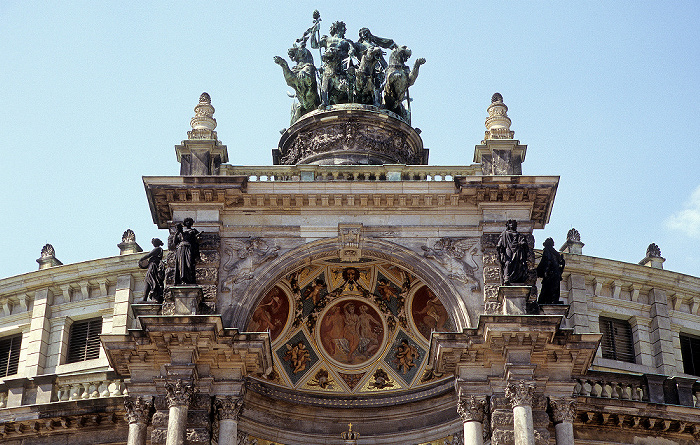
{"points": [[303, 173], [88, 386], [623, 387]]}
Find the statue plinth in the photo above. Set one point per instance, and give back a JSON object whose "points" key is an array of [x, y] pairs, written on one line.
{"points": [[145, 309], [182, 300], [350, 134], [554, 309], [514, 299]]}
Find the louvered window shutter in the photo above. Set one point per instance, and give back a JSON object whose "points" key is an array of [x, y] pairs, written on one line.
{"points": [[690, 351], [84, 342], [617, 343], [9, 355]]}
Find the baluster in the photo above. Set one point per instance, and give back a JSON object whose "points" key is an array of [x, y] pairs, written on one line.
{"points": [[103, 389], [597, 389], [586, 387]]}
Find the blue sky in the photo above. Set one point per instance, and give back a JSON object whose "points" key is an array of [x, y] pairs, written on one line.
{"points": [[95, 95]]}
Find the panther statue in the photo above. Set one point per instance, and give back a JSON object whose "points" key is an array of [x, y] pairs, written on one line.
{"points": [[398, 79], [302, 77]]}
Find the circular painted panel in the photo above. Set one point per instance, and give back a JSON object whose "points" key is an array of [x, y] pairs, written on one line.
{"points": [[428, 312], [271, 314], [351, 332]]}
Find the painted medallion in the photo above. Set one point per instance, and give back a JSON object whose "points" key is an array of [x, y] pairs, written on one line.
{"points": [[351, 332]]}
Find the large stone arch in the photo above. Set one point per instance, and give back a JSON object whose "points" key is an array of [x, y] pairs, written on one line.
{"points": [[268, 275]]}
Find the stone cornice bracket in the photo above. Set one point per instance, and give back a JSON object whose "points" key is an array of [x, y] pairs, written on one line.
{"points": [[349, 236], [521, 393], [179, 393], [563, 409], [138, 410], [472, 408], [229, 407]]}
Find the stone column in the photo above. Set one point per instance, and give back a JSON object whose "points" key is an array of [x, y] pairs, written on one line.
{"points": [[520, 397], [472, 410], [229, 409], [138, 412], [179, 396], [563, 414]]}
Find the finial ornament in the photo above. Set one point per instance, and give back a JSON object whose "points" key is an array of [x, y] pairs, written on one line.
{"points": [[48, 257], [350, 436], [203, 122], [653, 251], [48, 251], [498, 122]]}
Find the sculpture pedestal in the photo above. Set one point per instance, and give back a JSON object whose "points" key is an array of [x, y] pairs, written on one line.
{"points": [[554, 309], [513, 299], [145, 309], [182, 300]]}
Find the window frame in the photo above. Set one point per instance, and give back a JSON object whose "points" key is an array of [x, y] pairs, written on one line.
{"points": [[84, 340], [690, 360], [14, 347], [617, 342]]}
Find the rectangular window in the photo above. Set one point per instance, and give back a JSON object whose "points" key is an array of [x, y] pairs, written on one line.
{"points": [[84, 340], [9, 355], [690, 350], [617, 343]]}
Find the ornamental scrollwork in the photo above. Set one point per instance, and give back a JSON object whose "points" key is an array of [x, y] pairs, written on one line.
{"points": [[243, 257], [179, 393], [563, 409], [472, 408], [229, 407], [457, 256], [138, 410], [520, 394]]}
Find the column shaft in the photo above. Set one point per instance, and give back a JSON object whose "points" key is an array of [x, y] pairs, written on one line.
{"points": [[228, 432], [564, 432], [473, 433], [522, 425], [137, 434], [177, 422]]}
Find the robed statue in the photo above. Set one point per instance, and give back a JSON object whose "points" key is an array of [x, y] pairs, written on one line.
{"points": [[185, 242], [155, 272], [512, 249], [550, 269]]}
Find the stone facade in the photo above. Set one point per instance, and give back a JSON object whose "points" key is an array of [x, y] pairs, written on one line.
{"points": [[369, 295]]}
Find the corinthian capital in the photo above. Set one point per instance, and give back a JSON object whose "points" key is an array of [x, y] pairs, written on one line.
{"points": [[229, 407], [138, 410], [520, 394], [563, 409], [179, 393], [471, 408]]}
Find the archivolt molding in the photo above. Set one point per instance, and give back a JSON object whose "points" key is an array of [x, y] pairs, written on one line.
{"points": [[239, 306]]}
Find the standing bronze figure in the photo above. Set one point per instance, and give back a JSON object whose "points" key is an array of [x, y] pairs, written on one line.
{"points": [[155, 272], [512, 251], [550, 269], [185, 241]]}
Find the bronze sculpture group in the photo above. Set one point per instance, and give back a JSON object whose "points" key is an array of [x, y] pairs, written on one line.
{"points": [[183, 241], [351, 72]]}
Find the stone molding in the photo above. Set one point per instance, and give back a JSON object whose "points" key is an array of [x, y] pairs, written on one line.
{"points": [[472, 408], [229, 407], [179, 393], [138, 410], [563, 409], [520, 394]]}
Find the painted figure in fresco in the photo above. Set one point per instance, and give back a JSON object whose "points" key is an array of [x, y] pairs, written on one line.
{"points": [[432, 317], [351, 330], [369, 329], [405, 357], [386, 291], [270, 315], [186, 244], [315, 292], [333, 327], [512, 249], [297, 356], [155, 273], [550, 269]]}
